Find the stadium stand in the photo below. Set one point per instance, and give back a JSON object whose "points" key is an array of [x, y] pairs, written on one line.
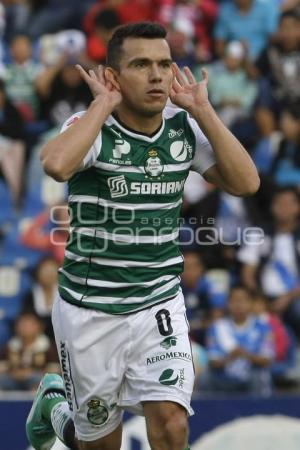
{"points": [[199, 34]]}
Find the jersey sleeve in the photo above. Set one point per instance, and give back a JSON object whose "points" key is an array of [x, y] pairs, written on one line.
{"points": [[204, 156], [93, 153]]}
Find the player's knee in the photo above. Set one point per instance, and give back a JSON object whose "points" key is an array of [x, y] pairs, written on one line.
{"points": [[176, 431], [170, 433]]}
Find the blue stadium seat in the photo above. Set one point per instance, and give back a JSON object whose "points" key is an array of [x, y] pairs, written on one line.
{"points": [[7, 212]]}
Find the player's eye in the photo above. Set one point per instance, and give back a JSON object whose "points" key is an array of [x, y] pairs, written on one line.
{"points": [[140, 64]]}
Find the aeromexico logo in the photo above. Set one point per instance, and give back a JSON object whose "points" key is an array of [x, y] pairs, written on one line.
{"points": [[119, 187]]}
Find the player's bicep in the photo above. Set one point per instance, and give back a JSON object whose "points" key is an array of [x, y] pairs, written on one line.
{"points": [[212, 175], [204, 156], [93, 153]]}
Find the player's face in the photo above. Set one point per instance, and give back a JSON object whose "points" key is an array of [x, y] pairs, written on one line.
{"points": [[145, 75], [239, 304], [285, 207]]}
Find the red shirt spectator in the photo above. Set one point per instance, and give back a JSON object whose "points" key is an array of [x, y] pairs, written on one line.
{"points": [[37, 237]]}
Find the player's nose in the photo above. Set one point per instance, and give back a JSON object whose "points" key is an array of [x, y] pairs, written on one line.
{"points": [[155, 74]]}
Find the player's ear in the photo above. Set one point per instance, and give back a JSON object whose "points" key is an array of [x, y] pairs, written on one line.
{"points": [[111, 76]]}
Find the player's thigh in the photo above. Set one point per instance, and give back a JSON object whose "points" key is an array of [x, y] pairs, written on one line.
{"points": [[93, 361], [110, 442], [161, 365]]}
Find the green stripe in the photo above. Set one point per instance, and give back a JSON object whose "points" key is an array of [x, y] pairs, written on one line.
{"points": [[88, 246], [121, 275], [119, 308], [88, 215], [98, 215], [94, 291]]}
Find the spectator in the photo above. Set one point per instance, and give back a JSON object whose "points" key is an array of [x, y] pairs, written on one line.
{"points": [[278, 155], [56, 49], [12, 147], [105, 23], [274, 266], [240, 349], [285, 362], [128, 11], [17, 14], [222, 220], [250, 21], [64, 93], [180, 40], [231, 91], [49, 232], [27, 356], [22, 78], [194, 19], [205, 299], [279, 69], [41, 297], [55, 15], [289, 5]]}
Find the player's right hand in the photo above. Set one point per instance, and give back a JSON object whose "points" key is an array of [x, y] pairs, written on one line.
{"points": [[100, 86]]}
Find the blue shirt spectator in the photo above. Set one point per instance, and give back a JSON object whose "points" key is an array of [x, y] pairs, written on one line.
{"points": [[278, 156], [249, 21], [205, 293], [240, 348], [224, 336]]}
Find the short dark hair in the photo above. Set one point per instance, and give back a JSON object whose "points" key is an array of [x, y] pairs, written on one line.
{"points": [[240, 287], [288, 189], [143, 30], [293, 14], [293, 109], [107, 18]]}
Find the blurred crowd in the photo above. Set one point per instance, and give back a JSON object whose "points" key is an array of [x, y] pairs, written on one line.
{"points": [[242, 255]]}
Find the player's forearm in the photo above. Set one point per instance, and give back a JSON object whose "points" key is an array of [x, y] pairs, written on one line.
{"points": [[259, 360], [63, 156], [236, 168]]}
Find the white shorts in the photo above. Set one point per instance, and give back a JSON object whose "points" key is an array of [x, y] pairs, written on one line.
{"points": [[115, 362]]}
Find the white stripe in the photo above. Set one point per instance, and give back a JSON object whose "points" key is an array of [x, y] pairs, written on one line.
{"points": [[122, 300], [140, 169], [126, 206], [113, 284], [127, 238], [177, 167], [123, 263]]}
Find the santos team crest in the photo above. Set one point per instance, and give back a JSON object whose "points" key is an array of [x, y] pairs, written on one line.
{"points": [[153, 165]]}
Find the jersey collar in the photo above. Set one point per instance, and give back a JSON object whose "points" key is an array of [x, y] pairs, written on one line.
{"points": [[142, 137]]}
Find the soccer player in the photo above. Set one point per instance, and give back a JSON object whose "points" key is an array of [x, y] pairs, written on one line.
{"points": [[119, 319]]}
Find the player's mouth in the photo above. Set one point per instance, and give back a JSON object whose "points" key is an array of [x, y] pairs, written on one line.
{"points": [[156, 93]]}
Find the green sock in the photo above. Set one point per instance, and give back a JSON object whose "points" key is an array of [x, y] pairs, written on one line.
{"points": [[49, 401], [56, 409]]}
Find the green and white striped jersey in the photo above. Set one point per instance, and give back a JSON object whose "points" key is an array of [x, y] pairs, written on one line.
{"points": [[123, 252]]}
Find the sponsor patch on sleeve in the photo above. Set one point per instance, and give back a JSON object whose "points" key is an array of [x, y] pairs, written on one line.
{"points": [[72, 120]]}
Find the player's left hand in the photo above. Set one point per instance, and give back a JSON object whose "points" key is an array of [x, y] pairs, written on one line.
{"points": [[186, 92]]}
